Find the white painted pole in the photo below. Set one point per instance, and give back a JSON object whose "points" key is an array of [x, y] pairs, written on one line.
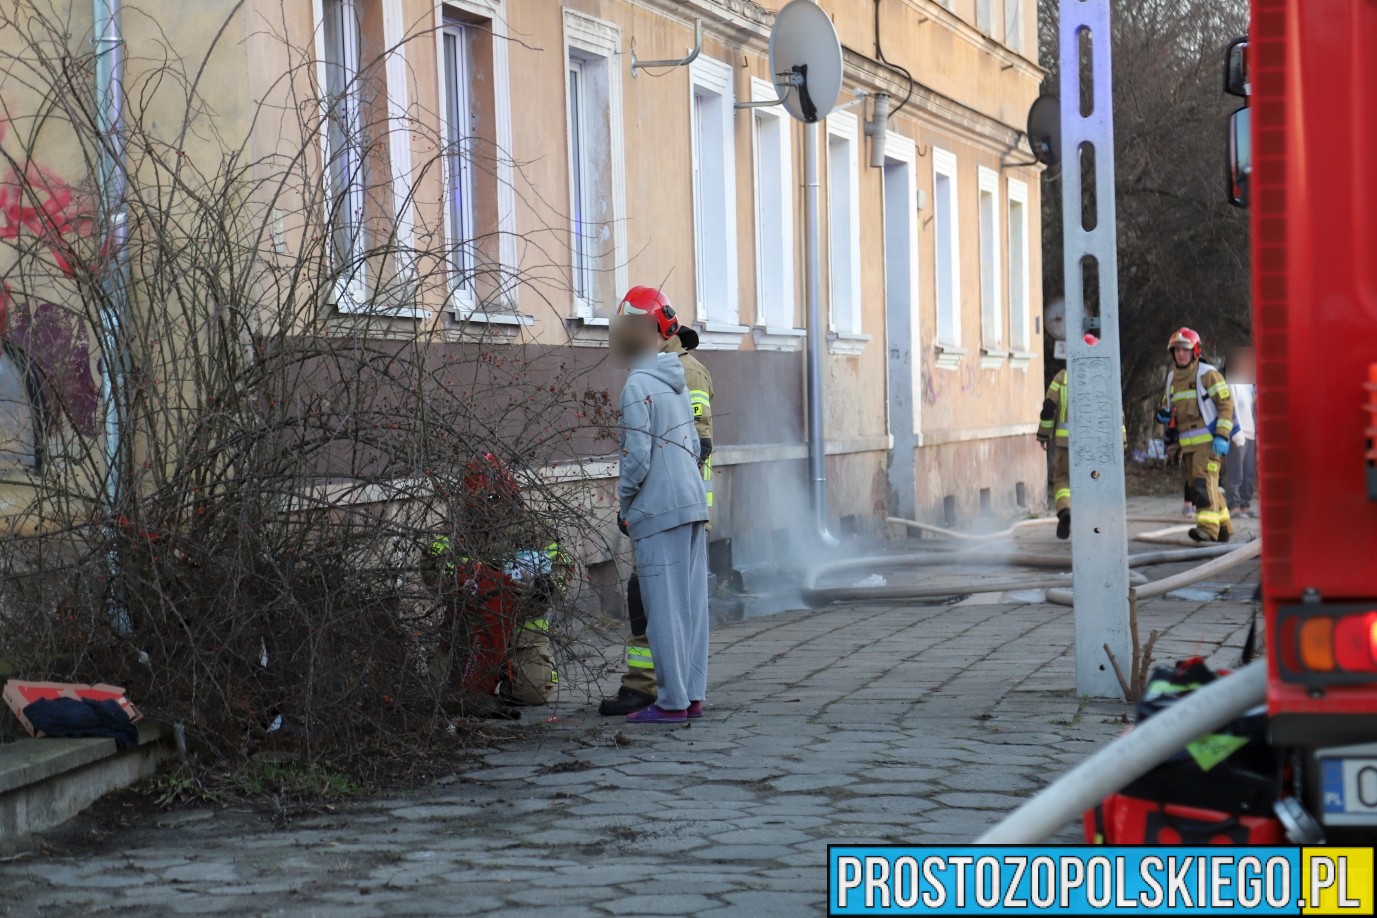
{"points": [[1099, 532]]}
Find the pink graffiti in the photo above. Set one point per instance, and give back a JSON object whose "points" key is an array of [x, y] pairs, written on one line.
{"points": [[36, 201]]}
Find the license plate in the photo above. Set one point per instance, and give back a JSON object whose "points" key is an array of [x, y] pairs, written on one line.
{"points": [[1349, 789]]}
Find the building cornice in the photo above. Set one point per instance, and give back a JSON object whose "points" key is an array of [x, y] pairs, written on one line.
{"points": [[746, 25]]}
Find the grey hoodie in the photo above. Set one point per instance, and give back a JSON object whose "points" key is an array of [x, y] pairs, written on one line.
{"points": [[660, 486]]}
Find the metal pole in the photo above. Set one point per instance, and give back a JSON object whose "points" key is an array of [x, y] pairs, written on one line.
{"points": [[1099, 550], [817, 442], [114, 273]]}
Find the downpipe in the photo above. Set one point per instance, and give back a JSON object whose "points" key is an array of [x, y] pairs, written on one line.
{"points": [[114, 272], [817, 443], [1131, 756]]}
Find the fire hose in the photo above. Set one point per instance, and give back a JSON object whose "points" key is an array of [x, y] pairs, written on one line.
{"points": [[1058, 585], [1131, 756]]}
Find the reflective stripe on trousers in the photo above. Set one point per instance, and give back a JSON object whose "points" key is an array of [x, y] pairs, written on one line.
{"points": [[639, 658]]}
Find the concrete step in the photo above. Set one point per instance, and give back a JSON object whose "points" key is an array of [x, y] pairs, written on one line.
{"points": [[44, 782]]}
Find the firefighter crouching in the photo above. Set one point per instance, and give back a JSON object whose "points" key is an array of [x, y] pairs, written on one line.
{"points": [[1197, 405], [498, 594], [638, 689]]}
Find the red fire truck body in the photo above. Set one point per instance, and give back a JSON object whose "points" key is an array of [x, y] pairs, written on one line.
{"points": [[1313, 190]]}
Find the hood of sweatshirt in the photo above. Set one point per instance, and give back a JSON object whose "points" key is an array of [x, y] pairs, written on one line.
{"points": [[665, 367]]}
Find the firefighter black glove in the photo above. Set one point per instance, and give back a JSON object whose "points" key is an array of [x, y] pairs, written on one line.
{"points": [[1163, 416], [621, 524], [704, 449]]}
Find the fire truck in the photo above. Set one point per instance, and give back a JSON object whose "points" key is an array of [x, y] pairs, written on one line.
{"points": [[1303, 157]]}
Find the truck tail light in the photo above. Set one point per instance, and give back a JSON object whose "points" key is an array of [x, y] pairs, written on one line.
{"points": [[1328, 645], [1317, 644]]}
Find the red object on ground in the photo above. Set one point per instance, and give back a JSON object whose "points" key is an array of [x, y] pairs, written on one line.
{"points": [[488, 600], [1122, 820], [1314, 126], [19, 695]]}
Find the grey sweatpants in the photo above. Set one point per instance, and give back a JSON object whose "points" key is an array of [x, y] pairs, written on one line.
{"points": [[673, 569], [1240, 474]]}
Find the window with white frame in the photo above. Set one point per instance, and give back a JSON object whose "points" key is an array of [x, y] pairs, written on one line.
{"points": [[984, 16], [346, 166], [459, 192], [18, 417], [596, 165], [774, 212], [480, 200], [1013, 24], [991, 305], [946, 236], [843, 222], [1020, 337], [714, 194]]}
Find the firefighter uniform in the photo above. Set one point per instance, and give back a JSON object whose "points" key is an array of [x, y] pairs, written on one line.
{"points": [[640, 664], [1197, 398], [1054, 430]]}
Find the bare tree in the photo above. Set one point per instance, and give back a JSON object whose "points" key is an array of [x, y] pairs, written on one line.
{"points": [[1183, 251]]}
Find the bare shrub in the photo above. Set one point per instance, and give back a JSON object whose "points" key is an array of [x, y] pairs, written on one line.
{"points": [[297, 541]]}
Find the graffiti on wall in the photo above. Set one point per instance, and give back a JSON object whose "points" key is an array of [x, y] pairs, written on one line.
{"points": [[42, 211]]}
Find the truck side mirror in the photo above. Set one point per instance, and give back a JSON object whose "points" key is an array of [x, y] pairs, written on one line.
{"points": [[1236, 69], [1240, 156]]}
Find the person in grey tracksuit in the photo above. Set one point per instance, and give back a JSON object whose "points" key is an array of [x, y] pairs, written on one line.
{"points": [[663, 508]]}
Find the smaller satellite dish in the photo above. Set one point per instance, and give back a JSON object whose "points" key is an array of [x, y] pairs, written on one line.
{"points": [[1044, 130], [806, 60]]}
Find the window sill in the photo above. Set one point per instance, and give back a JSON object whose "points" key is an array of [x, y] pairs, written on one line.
{"points": [[949, 357], [384, 312], [588, 331], [846, 344], [720, 336], [352, 300], [992, 360], [778, 339], [495, 318], [1021, 360]]}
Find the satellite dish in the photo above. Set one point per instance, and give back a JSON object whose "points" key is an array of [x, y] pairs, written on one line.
{"points": [[1054, 318], [806, 60], [1044, 130]]}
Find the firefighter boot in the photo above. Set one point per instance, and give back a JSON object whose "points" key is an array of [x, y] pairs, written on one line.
{"points": [[627, 701], [1064, 524]]}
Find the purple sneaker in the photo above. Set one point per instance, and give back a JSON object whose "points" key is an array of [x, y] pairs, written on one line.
{"points": [[695, 710], [654, 714]]}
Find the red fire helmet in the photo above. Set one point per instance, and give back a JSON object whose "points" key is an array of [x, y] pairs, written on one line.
{"points": [[1185, 337], [649, 301]]}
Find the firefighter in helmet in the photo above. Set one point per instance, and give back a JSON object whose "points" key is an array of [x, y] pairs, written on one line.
{"points": [[638, 689], [1197, 404], [1054, 432], [500, 580]]}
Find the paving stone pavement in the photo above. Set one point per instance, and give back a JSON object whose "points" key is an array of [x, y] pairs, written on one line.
{"points": [[859, 723]]}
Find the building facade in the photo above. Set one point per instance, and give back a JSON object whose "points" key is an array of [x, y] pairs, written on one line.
{"points": [[558, 176]]}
